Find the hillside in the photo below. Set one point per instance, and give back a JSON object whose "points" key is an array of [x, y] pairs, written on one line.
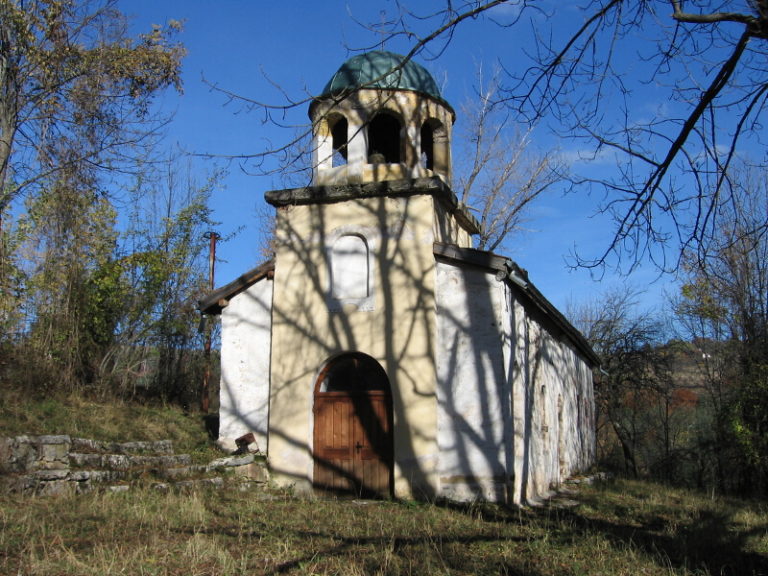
{"points": [[106, 419]]}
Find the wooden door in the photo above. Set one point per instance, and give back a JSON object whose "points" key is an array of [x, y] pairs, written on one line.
{"points": [[352, 435]]}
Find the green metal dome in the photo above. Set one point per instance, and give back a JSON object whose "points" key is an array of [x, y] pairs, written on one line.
{"points": [[380, 69]]}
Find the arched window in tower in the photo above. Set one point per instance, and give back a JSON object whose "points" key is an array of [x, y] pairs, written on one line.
{"points": [[434, 146], [350, 270], [427, 156], [339, 127], [384, 140]]}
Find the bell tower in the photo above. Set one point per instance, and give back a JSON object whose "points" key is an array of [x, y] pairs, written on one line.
{"points": [[380, 118], [355, 278]]}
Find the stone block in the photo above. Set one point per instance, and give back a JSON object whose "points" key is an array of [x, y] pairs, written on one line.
{"points": [[55, 439], [55, 488], [231, 461], [255, 471], [53, 454], [86, 445], [80, 475], [80, 460], [20, 454], [226, 444], [159, 447], [106, 475], [58, 464], [116, 461], [52, 474]]}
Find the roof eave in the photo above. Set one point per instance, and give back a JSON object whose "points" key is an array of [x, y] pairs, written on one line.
{"points": [[214, 302], [509, 271], [434, 186]]}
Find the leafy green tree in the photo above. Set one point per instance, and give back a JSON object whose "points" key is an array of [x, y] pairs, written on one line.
{"points": [[75, 101], [163, 264], [70, 301], [724, 307], [76, 117], [113, 309]]}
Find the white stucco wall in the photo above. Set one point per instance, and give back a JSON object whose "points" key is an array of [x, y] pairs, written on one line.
{"points": [[553, 399], [514, 402], [474, 402], [246, 334]]}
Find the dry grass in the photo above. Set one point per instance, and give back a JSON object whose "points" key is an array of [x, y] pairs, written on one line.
{"points": [[618, 528]]}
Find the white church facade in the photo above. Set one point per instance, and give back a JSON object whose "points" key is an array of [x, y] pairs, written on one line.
{"points": [[378, 353]]}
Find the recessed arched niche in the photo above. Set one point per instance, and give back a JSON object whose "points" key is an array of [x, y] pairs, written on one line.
{"points": [[350, 274]]}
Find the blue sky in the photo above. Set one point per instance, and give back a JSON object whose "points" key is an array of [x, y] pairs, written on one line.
{"points": [[250, 47]]}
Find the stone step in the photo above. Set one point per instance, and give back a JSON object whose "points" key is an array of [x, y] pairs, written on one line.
{"points": [[60, 481], [126, 461], [156, 448], [171, 473], [231, 461], [211, 482]]}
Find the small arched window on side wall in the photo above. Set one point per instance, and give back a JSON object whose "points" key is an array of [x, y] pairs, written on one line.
{"points": [[384, 139], [339, 127], [350, 273], [434, 147]]}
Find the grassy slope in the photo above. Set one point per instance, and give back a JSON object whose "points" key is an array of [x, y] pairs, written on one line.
{"points": [[110, 420], [617, 528]]}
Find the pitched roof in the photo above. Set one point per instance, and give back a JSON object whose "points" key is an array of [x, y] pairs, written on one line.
{"points": [[213, 302]]}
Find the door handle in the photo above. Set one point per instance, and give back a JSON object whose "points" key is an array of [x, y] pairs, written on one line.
{"points": [[358, 446]]}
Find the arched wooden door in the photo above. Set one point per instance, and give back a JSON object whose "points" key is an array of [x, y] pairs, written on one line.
{"points": [[353, 428]]}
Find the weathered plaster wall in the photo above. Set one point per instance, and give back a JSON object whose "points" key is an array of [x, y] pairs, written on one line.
{"points": [[514, 415], [553, 393], [474, 393], [396, 328], [246, 334], [448, 230]]}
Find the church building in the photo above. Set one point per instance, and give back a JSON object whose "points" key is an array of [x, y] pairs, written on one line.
{"points": [[378, 353]]}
